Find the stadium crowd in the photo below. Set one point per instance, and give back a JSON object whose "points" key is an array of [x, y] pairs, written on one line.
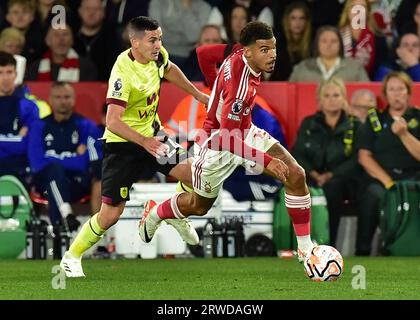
{"points": [[56, 152]]}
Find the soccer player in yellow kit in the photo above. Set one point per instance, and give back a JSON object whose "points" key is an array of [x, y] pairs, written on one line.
{"points": [[133, 140]]}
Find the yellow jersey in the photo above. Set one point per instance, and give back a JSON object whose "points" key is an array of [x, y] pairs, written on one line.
{"points": [[135, 86]]}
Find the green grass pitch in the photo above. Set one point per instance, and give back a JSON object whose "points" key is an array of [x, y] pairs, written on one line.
{"points": [[203, 279]]}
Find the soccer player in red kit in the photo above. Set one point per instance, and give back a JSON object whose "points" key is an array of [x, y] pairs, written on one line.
{"points": [[229, 139]]}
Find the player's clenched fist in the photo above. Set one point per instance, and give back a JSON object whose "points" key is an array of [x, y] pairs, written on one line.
{"points": [[279, 169]]}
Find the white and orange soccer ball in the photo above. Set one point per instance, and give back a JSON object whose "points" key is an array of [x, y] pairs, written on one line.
{"points": [[324, 263]]}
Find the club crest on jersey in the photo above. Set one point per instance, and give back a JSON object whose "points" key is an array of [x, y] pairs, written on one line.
{"points": [[75, 137], [247, 111], [237, 106]]}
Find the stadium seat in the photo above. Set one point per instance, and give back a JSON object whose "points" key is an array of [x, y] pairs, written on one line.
{"points": [[16, 210]]}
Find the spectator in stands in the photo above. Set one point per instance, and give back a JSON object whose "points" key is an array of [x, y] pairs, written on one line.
{"points": [[44, 14], [404, 13], [17, 115], [64, 156], [358, 40], [20, 15], [95, 39], [210, 34], [325, 149], [256, 10], [328, 60], [361, 101], [406, 58], [388, 151], [234, 22], [413, 25], [61, 62], [181, 22], [294, 42], [119, 12], [12, 41], [383, 12]]}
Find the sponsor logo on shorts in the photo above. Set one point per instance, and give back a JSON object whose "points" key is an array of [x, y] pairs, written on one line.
{"points": [[124, 192]]}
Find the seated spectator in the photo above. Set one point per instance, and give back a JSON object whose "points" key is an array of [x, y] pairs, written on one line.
{"points": [[404, 13], [231, 22], [328, 61], [64, 156], [294, 42], [181, 22], [20, 15], [256, 10], [12, 41], [61, 62], [383, 13], [325, 149], [95, 39], [388, 151], [44, 14], [17, 116], [358, 41], [406, 58], [361, 101], [210, 34], [119, 12]]}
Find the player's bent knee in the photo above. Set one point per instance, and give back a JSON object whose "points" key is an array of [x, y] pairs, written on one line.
{"points": [[297, 177]]}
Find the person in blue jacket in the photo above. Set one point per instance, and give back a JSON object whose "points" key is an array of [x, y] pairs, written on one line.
{"points": [[17, 115], [64, 155], [406, 58]]}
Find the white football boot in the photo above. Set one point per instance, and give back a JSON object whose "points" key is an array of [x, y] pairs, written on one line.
{"points": [[185, 230], [72, 266]]}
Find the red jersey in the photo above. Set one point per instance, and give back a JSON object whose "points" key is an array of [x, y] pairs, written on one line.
{"points": [[230, 106]]}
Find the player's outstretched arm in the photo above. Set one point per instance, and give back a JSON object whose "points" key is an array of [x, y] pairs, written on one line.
{"points": [[176, 76]]}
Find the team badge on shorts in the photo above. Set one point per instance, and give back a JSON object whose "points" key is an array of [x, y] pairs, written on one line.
{"points": [[207, 187], [124, 192]]}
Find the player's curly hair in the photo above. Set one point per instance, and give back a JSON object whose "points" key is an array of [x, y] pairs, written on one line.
{"points": [[254, 31]]}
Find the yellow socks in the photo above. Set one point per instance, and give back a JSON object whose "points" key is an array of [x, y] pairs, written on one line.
{"points": [[90, 234], [181, 187]]}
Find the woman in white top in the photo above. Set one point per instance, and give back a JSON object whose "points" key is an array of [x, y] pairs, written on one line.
{"points": [[328, 60]]}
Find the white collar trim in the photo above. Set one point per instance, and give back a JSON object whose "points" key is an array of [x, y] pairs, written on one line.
{"points": [[255, 74]]}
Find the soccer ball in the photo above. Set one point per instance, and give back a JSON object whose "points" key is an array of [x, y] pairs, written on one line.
{"points": [[324, 264]]}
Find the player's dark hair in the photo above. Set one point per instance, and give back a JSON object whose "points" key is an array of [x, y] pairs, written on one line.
{"points": [[6, 59], [141, 24], [254, 31]]}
